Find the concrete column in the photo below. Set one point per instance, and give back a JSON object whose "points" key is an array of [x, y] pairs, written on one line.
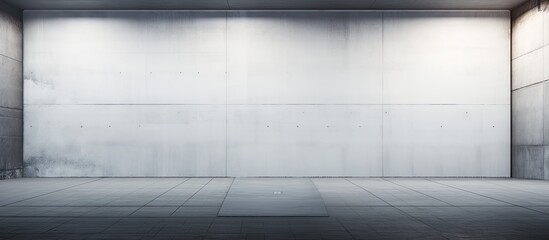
{"points": [[530, 92]]}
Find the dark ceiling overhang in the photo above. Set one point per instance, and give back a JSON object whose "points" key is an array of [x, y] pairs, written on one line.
{"points": [[264, 4]]}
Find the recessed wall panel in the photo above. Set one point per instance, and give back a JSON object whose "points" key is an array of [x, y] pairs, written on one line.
{"points": [[304, 140]]}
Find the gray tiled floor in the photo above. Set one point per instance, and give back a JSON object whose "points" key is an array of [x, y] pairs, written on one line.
{"points": [[243, 208]]}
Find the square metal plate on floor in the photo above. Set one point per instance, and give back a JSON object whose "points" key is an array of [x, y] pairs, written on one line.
{"points": [[271, 197]]}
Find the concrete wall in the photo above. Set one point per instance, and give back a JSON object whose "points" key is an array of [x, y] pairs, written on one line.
{"points": [[267, 93], [530, 92], [11, 93]]}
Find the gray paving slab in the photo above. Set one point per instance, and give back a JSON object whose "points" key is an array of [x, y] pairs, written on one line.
{"points": [[273, 197]]}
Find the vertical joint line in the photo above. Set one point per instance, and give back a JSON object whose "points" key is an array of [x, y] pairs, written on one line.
{"points": [[382, 106], [226, 89]]}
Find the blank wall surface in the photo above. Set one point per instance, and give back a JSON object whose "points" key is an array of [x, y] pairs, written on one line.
{"points": [[171, 93]]}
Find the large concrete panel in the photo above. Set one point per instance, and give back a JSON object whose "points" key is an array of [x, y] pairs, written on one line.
{"points": [[446, 58], [528, 162], [11, 30], [528, 69], [299, 140], [11, 113], [304, 58], [11, 127], [11, 157], [527, 33], [446, 140], [11, 83], [11, 142], [122, 140], [130, 57], [527, 115]]}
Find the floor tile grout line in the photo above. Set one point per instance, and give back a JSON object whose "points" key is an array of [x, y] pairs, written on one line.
{"points": [[418, 192], [61, 224], [328, 213], [321, 197], [510, 188], [383, 200], [398, 209], [490, 197], [121, 218], [58, 190], [177, 185], [74, 217], [226, 194], [157, 180], [200, 189]]}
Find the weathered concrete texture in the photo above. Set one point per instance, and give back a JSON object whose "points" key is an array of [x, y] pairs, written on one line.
{"points": [[266, 93], [527, 116], [528, 162], [11, 93], [546, 162], [130, 57], [11, 83], [527, 29], [446, 58], [451, 141], [125, 140], [528, 69], [530, 106], [304, 140], [11, 38], [11, 143], [305, 58], [546, 113]]}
